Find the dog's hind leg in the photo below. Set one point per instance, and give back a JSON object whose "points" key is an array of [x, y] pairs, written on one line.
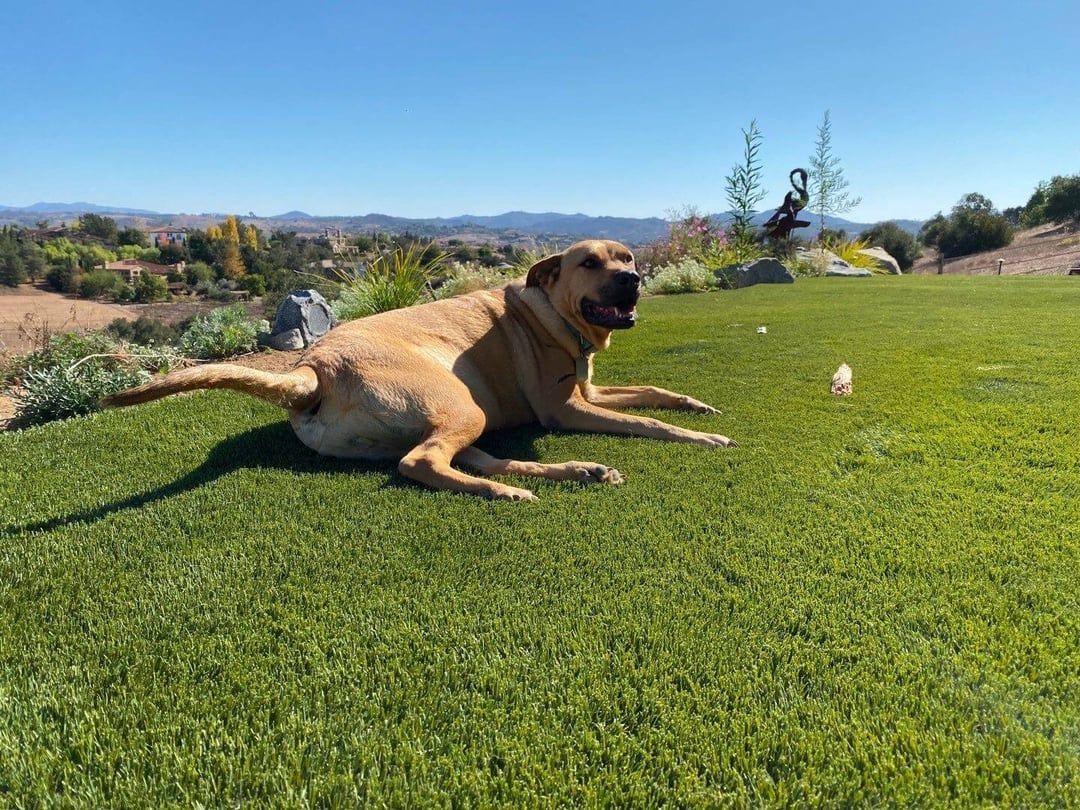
{"points": [[429, 461], [583, 471]]}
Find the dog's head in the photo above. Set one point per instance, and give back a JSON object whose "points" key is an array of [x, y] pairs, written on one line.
{"points": [[594, 285]]}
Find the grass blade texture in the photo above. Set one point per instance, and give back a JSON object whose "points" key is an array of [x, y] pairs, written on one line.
{"points": [[874, 600]]}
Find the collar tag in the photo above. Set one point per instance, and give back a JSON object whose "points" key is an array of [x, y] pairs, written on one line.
{"points": [[581, 366]]}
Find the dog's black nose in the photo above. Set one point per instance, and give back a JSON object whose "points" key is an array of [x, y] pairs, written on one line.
{"points": [[627, 278]]}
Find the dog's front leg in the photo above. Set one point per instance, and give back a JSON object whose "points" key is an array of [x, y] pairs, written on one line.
{"points": [[643, 396], [579, 414]]}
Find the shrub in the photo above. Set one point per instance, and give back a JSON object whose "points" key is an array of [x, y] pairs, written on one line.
{"points": [[99, 283], [72, 371], [685, 277], [216, 290], [63, 274], [197, 272], [62, 350], [58, 392], [897, 242], [144, 331], [463, 278], [691, 235], [150, 288], [392, 281], [972, 227], [221, 333]]}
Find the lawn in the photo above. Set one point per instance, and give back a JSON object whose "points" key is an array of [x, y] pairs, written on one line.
{"points": [[873, 600]]}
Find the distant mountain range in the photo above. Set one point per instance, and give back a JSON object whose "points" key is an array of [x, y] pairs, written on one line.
{"points": [[511, 226], [77, 208]]}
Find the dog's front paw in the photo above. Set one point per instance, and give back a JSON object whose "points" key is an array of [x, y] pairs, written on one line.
{"points": [[600, 474], [502, 492], [691, 404], [716, 440], [586, 472]]}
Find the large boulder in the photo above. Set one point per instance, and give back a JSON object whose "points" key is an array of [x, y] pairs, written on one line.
{"points": [[302, 318], [830, 264], [884, 259], [763, 271]]}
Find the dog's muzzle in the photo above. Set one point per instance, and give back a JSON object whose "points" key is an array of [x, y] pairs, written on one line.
{"points": [[617, 309]]}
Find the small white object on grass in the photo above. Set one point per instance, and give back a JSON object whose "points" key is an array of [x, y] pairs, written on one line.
{"points": [[761, 330], [841, 381]]}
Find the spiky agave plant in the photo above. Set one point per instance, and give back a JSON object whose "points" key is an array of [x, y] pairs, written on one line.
{"points": [[393, 280]]}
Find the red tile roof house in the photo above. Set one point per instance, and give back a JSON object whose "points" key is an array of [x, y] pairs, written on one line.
{"points": [[131, 269], [159, 237]]}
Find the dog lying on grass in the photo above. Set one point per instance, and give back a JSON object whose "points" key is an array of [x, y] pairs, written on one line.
{"points": [[422, 384]]}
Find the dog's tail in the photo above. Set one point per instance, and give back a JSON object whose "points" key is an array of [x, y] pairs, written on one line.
{"points": [[297, 390]]}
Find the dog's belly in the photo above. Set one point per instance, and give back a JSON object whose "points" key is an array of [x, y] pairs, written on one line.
{"points": [[353, 435]]}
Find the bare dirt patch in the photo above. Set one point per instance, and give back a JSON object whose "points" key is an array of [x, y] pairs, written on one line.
{"points": [[27, 312]]}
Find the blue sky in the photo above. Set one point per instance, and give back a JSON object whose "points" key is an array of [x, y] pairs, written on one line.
{"points": [[606, 108]]}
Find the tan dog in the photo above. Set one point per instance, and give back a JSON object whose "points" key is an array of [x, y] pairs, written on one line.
{"points": [[422, 384]]}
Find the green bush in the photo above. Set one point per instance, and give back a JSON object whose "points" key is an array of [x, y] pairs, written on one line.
{"points": [[58, 392], [72, 371], [1063, 200], [216, 290], [63, 274], [897, 242], [221, 333], [392, 281], [150, 288], [144, 331], [61, 350], [685, 277], [973, 226], [462, 278], [99, 283]]}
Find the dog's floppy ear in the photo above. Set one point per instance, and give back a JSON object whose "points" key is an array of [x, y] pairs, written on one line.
{"points": [[547, 269]]}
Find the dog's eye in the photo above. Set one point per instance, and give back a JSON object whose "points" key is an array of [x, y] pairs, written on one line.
{"points": [[590, 263]]}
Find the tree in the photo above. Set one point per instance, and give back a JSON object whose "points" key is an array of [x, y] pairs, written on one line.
{"points": [[33, 258], [973, 226], [1063, 200], [12, 267], [150, 288], [897, 242], [828, 186], [132, 236], [931, 230], [743, 186], [251, 237], [232, 264], [104, 228], [231, 231]]}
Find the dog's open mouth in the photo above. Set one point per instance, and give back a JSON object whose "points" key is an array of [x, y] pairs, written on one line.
{"points": [[608, 317]]}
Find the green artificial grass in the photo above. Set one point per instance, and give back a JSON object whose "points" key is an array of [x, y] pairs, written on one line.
{"points": [[874, 600]]}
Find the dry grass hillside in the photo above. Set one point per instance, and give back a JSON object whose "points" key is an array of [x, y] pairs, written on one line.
{"points": [[1048, 250]]}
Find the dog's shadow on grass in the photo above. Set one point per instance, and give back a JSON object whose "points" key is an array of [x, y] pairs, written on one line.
{"points": [[275, 447]]}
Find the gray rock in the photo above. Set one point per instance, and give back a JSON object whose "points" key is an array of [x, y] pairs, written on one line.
{"points": [[884, 259], [763, 271], [842, 269], [305, 312], [287, 341], [829, 264]]}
